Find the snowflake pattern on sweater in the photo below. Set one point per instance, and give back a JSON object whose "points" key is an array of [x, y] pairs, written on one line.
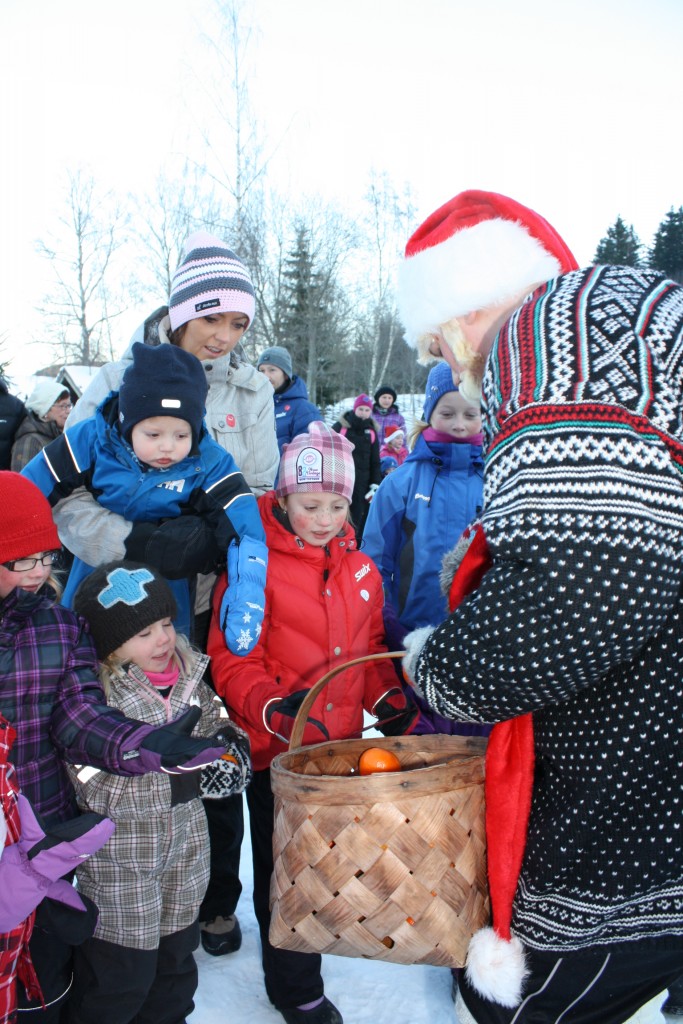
{"points": [[580, 618]]}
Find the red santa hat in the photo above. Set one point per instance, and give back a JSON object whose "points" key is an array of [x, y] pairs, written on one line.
{"points": [[496, 966], [475, 252], [394, 434]]}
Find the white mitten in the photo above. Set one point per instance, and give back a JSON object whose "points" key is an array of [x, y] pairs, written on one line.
{"points": [[413, 643]]}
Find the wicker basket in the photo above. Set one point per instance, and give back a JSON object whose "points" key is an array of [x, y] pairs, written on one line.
{"points": [[386, 866]]}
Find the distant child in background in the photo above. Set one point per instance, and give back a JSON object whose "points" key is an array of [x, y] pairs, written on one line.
{"points": [[150, 879], [147, 456], [422, 508], [395, 445], [358, 426], [293, 411], [388, 464], [386, 413], [323, 606]]}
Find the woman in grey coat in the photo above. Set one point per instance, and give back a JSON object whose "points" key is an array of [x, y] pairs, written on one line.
{"points": [[210, 308]]}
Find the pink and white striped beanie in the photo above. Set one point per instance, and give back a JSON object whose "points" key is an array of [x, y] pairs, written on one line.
{"points": [[209, 279], [319, 460]]}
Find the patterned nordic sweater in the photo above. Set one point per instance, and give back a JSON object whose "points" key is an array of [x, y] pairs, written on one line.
{"points": [[580, 619]]}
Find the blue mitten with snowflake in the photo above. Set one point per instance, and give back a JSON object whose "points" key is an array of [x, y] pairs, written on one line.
{"points": [[242, 607]]}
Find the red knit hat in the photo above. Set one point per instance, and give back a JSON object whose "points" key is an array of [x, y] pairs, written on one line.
{"points": [[473, 253], [26, 524]]}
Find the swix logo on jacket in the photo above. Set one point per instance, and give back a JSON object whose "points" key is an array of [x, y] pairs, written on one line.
{"points": [[363, 571]]}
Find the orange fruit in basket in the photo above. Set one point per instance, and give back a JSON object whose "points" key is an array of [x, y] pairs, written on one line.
{"points": [[376, 759]]}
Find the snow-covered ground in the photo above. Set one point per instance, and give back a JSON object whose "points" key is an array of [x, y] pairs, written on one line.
{"points": [[366, 992]]}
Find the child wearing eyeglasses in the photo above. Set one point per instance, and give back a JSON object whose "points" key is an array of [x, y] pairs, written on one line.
{"points": [[32, 573]]}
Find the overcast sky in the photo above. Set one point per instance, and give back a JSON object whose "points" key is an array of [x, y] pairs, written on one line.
{"points": [[573, 109]]}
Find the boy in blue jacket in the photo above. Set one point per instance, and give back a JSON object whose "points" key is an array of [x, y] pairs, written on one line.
{"points": [[147, 456], [418, 514], [293, 411]]}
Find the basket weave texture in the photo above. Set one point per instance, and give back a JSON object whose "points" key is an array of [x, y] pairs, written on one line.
{"points": [[385, 866]]}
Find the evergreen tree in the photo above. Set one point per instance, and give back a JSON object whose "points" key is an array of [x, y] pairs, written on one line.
{"points": [[667, 250], [620, 246], [314, 318]]}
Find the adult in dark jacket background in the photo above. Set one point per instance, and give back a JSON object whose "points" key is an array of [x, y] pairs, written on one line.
{"points": [[358, 426], [12, 412], [48, 406], [293, 411]]}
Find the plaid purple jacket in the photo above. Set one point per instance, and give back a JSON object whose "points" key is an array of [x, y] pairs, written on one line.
{"points": [[50, 692]]}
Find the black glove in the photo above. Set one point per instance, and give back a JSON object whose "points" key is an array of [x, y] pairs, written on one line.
{"points": [[170, 748], [396, 716], [177, 548], [280, 714]]}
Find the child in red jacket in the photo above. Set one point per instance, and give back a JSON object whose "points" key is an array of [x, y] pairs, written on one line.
{"points": [[323, 606]]}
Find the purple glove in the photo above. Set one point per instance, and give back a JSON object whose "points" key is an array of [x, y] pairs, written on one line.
{"points": [[170, 748], [30, 868]]}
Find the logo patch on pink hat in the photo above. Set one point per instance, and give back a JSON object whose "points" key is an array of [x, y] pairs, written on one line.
{"points": [[309, 466]]}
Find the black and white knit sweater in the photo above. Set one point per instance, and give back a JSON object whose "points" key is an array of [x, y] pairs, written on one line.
{"points": [[580, 619]]}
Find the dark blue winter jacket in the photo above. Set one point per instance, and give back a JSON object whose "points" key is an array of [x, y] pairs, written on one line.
{"points": [[293, 412], [416, 516], [207, 483]]}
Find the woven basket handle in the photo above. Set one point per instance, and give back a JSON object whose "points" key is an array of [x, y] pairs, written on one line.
{"points": [[309, 699]]}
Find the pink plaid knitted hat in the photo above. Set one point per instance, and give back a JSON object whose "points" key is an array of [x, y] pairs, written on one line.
{"points": [[209, 279], [319, 460]]}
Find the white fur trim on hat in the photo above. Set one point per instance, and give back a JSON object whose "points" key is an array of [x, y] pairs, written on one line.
{"points": [[476, 268], [495, 968]]}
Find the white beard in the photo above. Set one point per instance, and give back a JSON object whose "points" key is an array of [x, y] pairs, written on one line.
{"points": [[472, 362]]}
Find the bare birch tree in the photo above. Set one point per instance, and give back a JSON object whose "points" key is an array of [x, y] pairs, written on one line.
{"points": [[84, 299], [386, 223]]}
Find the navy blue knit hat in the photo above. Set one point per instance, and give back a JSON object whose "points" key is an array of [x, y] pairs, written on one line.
{"points": [[163, 380], [439, 383]]}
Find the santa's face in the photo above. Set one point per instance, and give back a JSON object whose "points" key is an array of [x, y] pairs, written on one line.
{"points": [[460, 344]]}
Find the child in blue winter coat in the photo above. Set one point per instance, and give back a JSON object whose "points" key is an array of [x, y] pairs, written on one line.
{"points": [[421, 509], [293, 411], [147, 456]]}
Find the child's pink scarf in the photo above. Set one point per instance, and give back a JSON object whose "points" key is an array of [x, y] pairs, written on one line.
{"points": [[438, 437], [162, 680]]}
